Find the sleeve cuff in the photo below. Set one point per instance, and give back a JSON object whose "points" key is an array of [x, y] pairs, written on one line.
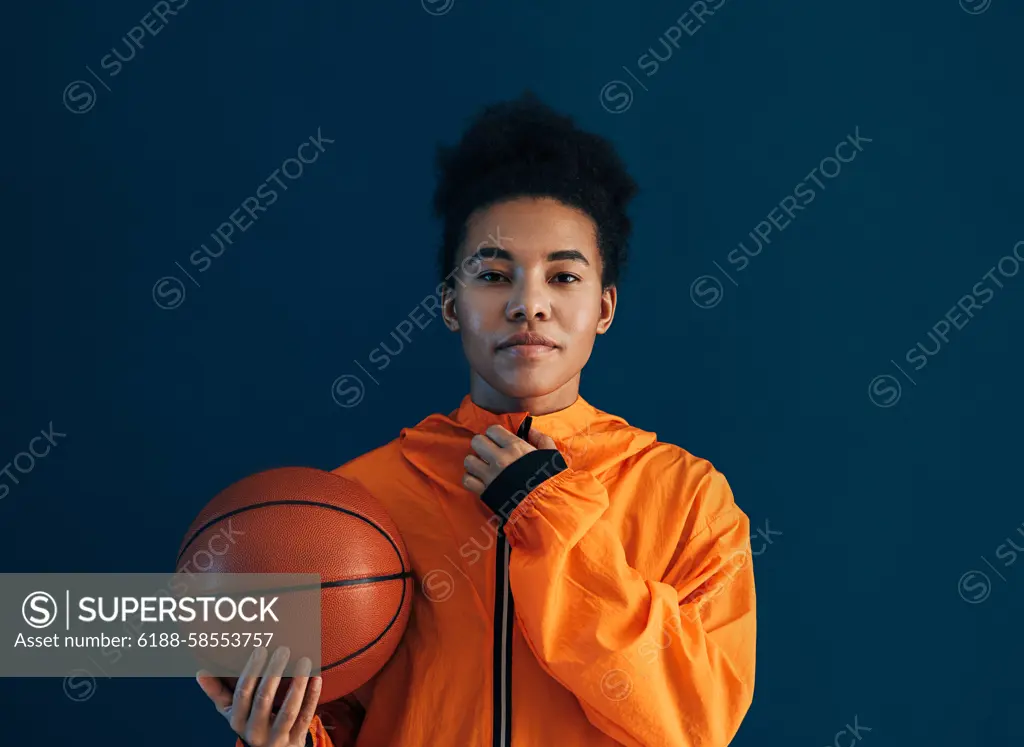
{"points": [[521, 478]]}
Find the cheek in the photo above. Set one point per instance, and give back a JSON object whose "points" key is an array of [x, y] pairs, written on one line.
{"points": [[580, 320], [475, 318], [478, 320]]}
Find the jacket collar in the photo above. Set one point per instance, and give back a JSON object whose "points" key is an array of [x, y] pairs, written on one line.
{"points": [[587, 437], [562, 424]]}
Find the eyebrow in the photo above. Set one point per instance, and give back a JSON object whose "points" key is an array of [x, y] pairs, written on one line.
{"points": [[496, 252]]}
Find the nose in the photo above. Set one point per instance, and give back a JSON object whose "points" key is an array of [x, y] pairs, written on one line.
{"points": [[529, 301]]}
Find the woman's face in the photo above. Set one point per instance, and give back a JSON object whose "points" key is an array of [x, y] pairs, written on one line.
{"points": [[537, 269]]}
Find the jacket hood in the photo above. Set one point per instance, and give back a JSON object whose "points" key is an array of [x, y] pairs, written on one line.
{"points": [[587, 437]]}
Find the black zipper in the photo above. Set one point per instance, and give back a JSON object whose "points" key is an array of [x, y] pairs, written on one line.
{"points": [[503, 618], [504, 624]]}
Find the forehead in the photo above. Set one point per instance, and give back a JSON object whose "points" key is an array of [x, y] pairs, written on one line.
{"points": [[530, 228]]}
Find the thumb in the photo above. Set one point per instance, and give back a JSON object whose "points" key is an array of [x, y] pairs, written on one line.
{"points": [[540, 440], [215, 690]]}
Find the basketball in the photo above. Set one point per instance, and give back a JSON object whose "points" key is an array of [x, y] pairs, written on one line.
{"points": [[305, 520]]}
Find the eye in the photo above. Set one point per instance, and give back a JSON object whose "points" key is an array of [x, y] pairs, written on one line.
{"points": [[484, 275], [571, 278]]}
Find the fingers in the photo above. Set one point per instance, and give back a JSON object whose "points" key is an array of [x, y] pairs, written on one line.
{"points": [[473, 484], [305, 717], [293, 700], [540, 440], [475, 466], [501, 435], [264, 699], [486, 448], [244, 688], [215, 690]]}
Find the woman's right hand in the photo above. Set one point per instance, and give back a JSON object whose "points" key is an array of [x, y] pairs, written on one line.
{"points": [[249, 709]]}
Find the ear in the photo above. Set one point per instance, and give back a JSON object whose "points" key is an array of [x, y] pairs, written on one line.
{"points": [[609, 299], [448, 311]]}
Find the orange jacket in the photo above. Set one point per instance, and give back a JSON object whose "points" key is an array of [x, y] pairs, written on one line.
{"points": [[600, 594]]}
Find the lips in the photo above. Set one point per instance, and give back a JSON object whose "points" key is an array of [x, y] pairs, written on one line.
{"points": [[526, 339], [527, 352]]}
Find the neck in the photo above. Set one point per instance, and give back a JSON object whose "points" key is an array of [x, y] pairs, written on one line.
{"points": [[489, 398]]}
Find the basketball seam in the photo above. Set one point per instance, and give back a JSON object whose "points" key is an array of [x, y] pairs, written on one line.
{"points": [[372, 643], [289, 502], [294, 502]]}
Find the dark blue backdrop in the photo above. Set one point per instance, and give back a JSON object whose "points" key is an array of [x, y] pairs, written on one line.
{"points": [[887, 593]]}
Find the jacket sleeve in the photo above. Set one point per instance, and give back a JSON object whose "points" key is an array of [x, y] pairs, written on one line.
{"points": [[667, 662], [336, 724]]}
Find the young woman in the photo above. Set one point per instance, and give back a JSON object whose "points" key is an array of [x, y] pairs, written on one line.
{"points": [[579, 581]]}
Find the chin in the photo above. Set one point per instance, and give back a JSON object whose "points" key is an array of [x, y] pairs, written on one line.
{"points": [[525, 385]]}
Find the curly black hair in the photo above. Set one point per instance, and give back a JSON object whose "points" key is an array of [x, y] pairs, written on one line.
{"points": [[524, 148]]}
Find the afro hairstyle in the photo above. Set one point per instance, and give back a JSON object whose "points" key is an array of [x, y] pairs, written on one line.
{"points": [[524, 148]]}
